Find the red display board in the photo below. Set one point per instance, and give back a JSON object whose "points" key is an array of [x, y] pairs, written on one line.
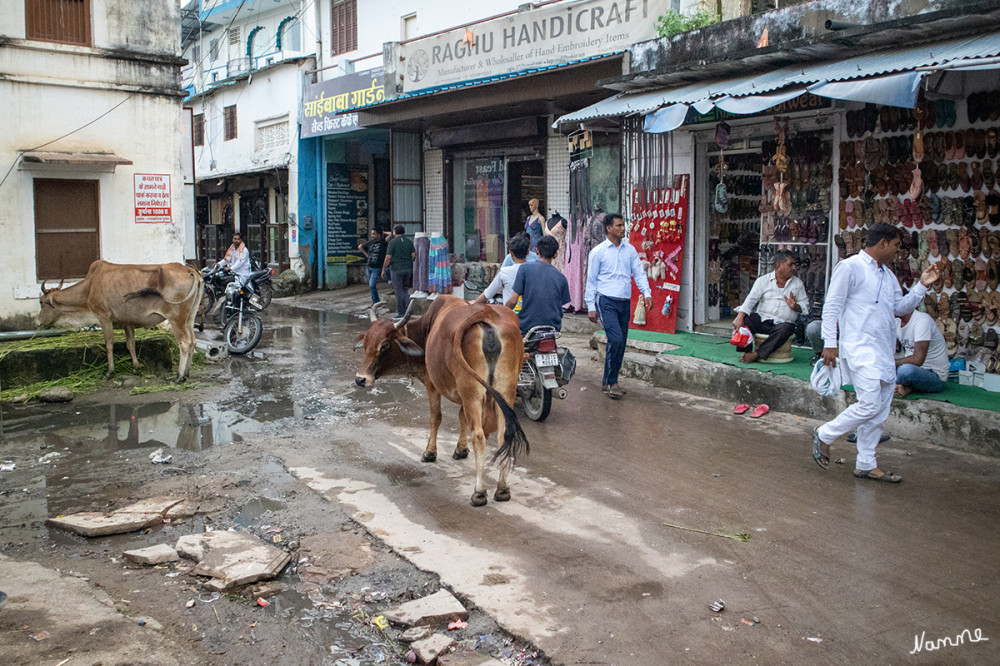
{"points": [[656, 231]]}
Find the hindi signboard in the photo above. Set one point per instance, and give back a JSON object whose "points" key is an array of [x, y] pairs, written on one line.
{"points": [[656, 231], [322, 102], [551, 35], [152, 198]]}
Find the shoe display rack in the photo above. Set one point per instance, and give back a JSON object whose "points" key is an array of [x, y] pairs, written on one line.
{"points": [[795, 206], [933, 171], [734, 230]]}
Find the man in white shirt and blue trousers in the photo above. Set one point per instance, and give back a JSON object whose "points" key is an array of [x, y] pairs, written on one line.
{"points": [[611, 267], [863, 301]]}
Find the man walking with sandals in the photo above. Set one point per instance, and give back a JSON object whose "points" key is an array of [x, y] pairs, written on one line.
{"points": [[863, 302], [611, 268]]}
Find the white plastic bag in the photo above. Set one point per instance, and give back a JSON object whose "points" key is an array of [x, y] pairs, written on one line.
{"points": [[826, 380]]}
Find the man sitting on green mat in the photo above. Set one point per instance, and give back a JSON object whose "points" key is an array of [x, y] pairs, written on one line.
{"points": [[778, 297]]}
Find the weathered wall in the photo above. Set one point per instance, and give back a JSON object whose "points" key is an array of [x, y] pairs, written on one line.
{"points": [[131, 91], [801, 21]]}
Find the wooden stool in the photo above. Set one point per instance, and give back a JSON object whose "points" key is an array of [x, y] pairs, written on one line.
{"points": [[782, 354]]}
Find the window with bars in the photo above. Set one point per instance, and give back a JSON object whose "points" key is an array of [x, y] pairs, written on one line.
{"points": [[229, 119], [213, 49], [198, 129], [234, 36], [344, 26], [61, 21]]}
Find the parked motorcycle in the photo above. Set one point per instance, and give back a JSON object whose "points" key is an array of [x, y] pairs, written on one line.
{"points": [[244, 327], [217, 279], [544, 373]]}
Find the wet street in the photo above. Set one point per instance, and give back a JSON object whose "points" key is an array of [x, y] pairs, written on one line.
{"points": [[581, 563]]}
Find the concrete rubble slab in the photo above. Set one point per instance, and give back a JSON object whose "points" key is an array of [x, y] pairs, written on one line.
{"points": [[416, 634], [467, 658], [128, 519], [429, 649], [437, 608], [232, 558], [185, 509], [328, 557], [157, 554]]}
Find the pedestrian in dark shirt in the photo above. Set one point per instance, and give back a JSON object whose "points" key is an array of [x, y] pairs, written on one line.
{"points": [[544, 289], [399, 257], [374, 251]]}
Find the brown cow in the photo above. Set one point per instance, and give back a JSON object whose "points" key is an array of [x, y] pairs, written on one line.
{"points": [[451, 348], [130, 295]]}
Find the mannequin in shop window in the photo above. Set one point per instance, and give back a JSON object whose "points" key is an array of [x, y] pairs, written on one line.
{"points": [[534, 225], [555, 226]]}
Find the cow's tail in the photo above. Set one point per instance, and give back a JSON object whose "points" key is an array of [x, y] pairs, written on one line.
{"points": [[514, 440]]}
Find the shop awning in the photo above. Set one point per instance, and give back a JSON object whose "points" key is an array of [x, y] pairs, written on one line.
{"points": [[82, 159], [888, 77]]}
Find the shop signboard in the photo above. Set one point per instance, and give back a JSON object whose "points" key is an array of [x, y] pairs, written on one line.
{"points": [[656, 231], [346, 211], [554, 34], [322, 102], [152, 197]]}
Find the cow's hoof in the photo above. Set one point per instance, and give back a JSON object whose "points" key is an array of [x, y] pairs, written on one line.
{"points": [[460, 454], [181, 380], [429, 456], [479, 499], [109, 374], [502, 495]]}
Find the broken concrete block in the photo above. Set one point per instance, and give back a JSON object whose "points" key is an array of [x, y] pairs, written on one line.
{"points": [[129, 519], [325, 558], [271, 588], [185, 509], [157, 554], [56, 394], [231, 558], [429, 649], [439, 607], [416, 634]]}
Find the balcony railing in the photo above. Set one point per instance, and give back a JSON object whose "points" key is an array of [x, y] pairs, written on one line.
{"points": [[238, 66]]}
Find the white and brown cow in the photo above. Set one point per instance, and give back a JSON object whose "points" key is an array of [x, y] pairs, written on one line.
{"points": [[471, 355], [129, 296]]}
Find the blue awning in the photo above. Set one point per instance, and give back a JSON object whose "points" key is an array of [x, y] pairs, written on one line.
{"points": [[890, 77]]}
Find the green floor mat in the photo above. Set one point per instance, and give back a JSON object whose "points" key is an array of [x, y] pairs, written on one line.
{"points": [[718, 350]]}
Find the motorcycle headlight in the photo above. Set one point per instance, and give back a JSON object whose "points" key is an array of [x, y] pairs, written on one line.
{"points": [[231, 289]]}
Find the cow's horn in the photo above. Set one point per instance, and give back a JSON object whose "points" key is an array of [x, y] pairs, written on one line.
{"points": [[372, 315], [44, 290], [406, 317], [61, 283]]}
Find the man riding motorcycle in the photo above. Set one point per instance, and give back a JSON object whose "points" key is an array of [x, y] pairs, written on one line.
{"points": [[542, 288]]}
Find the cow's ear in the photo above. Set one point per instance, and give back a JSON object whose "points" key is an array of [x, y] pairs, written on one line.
{"points": [[409, 347], [359, 342]]}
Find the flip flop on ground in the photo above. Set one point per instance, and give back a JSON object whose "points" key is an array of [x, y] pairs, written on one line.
{"points": [[853, 438], [615, 392], [759, 411], [741, 408], [822, 459], [886, 476]]}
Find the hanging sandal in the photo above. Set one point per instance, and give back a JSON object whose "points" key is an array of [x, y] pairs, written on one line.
{"points": [[887, 477], [822, 459]]}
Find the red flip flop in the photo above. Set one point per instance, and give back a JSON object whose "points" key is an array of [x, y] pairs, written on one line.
{"points": [[741, 408], [759, 411]]}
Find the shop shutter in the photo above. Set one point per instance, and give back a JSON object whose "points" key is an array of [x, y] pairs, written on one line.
{"points": [[407, 197], [61, 21], [65, 246]]}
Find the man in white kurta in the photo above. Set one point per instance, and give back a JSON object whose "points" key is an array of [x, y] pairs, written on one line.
{"points": [[862, 303]]}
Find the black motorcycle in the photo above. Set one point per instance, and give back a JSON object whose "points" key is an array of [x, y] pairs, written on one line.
{"points": [[546, 371], [244, 327], [217, 279]]}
